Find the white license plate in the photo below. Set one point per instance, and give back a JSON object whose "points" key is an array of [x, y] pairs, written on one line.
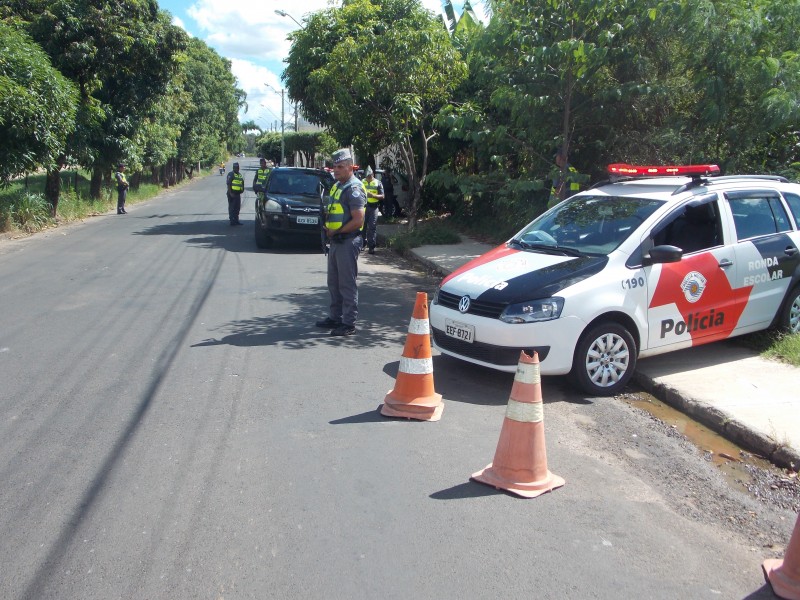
{"points": [[460, 331], [307, 220]]}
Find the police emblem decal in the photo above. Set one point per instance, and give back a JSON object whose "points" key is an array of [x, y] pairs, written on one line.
{"points": [[463, 304], [693, 285]]}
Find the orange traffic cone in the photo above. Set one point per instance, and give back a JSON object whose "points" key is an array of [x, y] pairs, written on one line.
{"points": [[413, 396], [520, 461], [784, 575]]}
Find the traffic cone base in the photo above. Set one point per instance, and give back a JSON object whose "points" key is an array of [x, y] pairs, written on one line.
{"points": [[781, 583], [784, 574], [422, 409], [413, 396], [522, 489]]}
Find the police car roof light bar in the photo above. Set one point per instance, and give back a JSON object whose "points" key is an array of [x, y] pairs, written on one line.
{"points": [[624, 170]]}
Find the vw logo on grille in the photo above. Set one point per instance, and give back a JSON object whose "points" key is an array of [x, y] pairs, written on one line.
{"points": [[463, 304]]}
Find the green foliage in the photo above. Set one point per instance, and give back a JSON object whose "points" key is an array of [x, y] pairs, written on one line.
{"points": [[269, 146], [212, 107], [37, 106], [28, 212], [375, 73], [309, 144]]}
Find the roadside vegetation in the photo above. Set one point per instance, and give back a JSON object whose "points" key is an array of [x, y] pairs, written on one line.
{"points": [[25, 210]]}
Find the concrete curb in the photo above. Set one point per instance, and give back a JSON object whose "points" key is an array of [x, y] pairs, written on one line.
{"points": [[721, 422]]}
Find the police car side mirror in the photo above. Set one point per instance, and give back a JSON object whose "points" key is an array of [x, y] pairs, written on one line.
{"points": [[663, 254]]}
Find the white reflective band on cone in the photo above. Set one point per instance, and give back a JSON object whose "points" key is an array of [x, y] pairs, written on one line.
{"points": [[416, 366], [525, 412], [528, 373], [419, 326]]}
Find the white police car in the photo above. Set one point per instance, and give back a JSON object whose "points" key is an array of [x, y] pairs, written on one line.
{"points": [[655, 259]]}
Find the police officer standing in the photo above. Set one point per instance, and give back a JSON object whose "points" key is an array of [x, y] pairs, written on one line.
{"points": [[566, 183], [235, 183], [374, 189], [122, 189], [343, 222], [260, 180]]}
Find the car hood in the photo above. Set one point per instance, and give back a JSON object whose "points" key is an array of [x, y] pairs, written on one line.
{"points": [[295, 200], [507, 275]]}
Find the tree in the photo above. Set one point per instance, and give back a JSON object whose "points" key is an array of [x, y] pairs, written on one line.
{"points": [[121, 56], [37, 106], [212, 120], [308, 145], [376, 73]]}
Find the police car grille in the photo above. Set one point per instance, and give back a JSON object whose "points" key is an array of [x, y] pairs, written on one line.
{"points": [[303, 211], [490, 310], [502, 356]]}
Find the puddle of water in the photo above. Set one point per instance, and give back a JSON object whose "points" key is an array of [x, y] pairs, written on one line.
{"points": [[727, 456]]}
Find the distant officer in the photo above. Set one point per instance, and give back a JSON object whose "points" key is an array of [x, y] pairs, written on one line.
{"points": [[235, 183], [260, 180], [122, 189], [565, 184], [343, 222], [374, 189]]}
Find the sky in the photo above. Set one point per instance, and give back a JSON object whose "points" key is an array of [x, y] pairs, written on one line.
{"points": [[253, 37]]}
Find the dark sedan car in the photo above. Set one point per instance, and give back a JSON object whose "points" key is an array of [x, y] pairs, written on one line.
{"points": [[290, 205]]}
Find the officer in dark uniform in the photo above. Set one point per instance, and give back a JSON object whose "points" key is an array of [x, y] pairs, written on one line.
{"points": [[122, 189], [235, 183], [343, 222]]}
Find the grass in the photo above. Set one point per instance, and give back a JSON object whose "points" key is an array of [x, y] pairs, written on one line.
{"points": [[774, 344], [24, 210]]}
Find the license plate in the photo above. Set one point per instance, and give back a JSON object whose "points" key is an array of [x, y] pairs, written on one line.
{"points": [[307, 220], [460, 331]]}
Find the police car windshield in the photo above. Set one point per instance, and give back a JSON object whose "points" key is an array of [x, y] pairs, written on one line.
{"points": [[593, 225]]}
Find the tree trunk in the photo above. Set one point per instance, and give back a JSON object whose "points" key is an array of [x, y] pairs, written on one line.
{"points": [[52, 186], [95, 183]]}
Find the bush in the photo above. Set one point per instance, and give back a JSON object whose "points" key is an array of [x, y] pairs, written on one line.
{"points": [[30, 212]]}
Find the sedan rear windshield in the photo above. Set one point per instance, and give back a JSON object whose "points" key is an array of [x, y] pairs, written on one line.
{"points": [[592, 225]]}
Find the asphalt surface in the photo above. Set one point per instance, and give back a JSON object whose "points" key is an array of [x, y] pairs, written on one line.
{"points": [[750, 400], [174, 426]]}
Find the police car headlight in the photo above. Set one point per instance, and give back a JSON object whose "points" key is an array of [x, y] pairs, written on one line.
{"points": [[534, 311], [273, 206]]}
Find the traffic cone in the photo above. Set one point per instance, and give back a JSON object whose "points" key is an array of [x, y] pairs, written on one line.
{"points": [[784, 575], [413, 396], [520, 461]]}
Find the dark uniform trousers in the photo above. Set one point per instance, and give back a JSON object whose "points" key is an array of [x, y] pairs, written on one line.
{"points": [[342, 273], [234, 206]]}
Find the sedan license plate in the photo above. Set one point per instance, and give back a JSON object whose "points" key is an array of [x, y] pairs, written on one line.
{"points": [[460, 331], [307, 220]]}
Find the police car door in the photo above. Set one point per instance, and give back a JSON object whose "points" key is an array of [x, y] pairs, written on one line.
{"points": [[691, 301], [766, 253]]}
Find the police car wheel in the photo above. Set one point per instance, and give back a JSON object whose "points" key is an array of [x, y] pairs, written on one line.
{"points": [[605, 359], [790, 317]]}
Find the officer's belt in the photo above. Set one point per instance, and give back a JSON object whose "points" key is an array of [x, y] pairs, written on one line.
{"points": [[341, 237]]}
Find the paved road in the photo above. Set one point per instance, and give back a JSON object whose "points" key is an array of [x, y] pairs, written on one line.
{"points": [[174, 427]]}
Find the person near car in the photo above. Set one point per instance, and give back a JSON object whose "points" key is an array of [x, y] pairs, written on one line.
{"points": [[565, 183], [260, 179], [343, 222], [390, 208], [235, 183], [375, 195], [122, 189]]}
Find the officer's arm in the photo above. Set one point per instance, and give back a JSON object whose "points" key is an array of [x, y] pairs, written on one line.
{"points": [[379, 194]]}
